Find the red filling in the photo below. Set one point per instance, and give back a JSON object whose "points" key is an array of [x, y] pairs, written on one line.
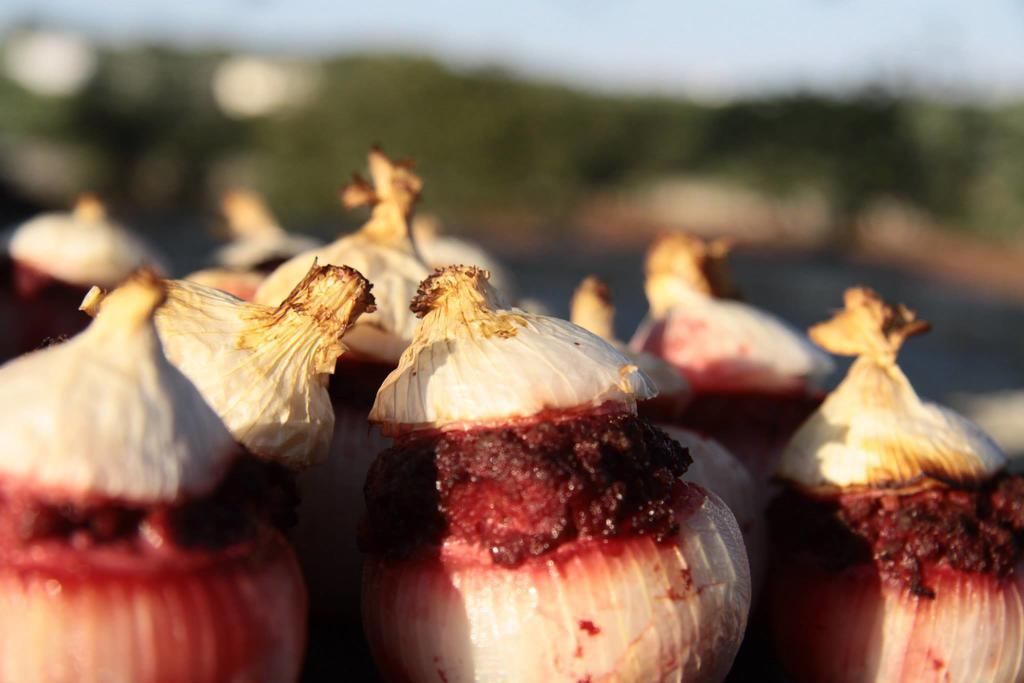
{"points": [[753, 425], [253, 494], [979, 531], [524, 489], [45, 309]]}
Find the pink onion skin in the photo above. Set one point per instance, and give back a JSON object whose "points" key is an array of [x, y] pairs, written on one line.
{"points": [[621, 610], [331, 507], [748, 409], [235, 619], [853, 627]]}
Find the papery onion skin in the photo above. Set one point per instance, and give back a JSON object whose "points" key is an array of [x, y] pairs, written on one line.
{"points": [[852, 627], [239, 618], [626, 609]]}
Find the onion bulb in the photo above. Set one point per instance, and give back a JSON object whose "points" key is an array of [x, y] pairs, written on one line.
{"points": [[713, 467], [439, 250], [898, 534], [258, 245], [754, 378], [527, 525], [136, 541], [52, 259], [383, 251], [264, 369]]}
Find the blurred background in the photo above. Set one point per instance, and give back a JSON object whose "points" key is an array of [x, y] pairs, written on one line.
{"points": [[840, 142]]}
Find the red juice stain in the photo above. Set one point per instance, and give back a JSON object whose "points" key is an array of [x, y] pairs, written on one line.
{"points": [[589, 627]]}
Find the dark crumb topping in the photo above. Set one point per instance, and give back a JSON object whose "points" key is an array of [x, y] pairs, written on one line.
{"points": [[524, 489], [253, 493], [978, 531]]}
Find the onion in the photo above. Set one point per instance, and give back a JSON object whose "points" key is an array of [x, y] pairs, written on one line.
{"points": [[258, 245], [898, 536], [135, 545], [52, 259], [383, 251], [527, 525], [718, 470], [754, 378], [631, 610], [237, 619], [852, 627]]}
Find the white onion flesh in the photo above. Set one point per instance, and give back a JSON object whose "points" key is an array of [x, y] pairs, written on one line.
{"points": [[717, 470], [631, 610], [331, 507], [238, 621], [850, 627]]}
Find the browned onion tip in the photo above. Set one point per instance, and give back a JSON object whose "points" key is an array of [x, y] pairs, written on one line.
{"points": [[241, 619], [850, 627], [394, 185], [701, 264], [631, 610], [868, 326], [88, 207], [246, 213]]}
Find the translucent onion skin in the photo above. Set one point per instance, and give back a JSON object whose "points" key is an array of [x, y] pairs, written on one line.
{"points": [[237, 619], [621, 610], [851, 627], [331, 507]]}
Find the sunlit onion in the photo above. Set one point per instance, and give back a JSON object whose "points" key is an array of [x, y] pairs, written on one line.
{"points": [[527, 525], [632, 610], [897, 536], [236, 619]]}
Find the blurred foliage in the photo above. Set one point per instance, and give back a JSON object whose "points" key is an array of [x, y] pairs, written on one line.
{"points": [[485, 139]]}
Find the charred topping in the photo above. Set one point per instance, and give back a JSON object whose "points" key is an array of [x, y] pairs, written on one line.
{"points": [[978, 530], [253, 493], [525, 489], [868, 326]]}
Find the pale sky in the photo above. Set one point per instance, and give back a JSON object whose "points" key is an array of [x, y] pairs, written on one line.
{"points": [[711, 48]]}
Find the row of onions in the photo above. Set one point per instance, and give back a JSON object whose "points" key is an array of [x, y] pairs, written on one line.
{"points": [[362, 430]]}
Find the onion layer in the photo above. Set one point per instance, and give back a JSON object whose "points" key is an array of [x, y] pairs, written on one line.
{"points": [[717, 470], [236, 620], [851, 627], [331, 507], [621, 610]]}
